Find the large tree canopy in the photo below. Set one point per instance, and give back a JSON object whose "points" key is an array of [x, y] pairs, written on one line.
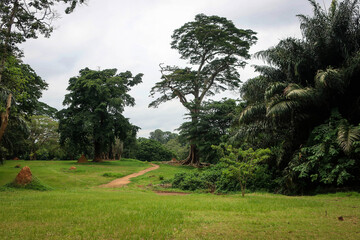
{"points": [[215, 48], [94, 109]]}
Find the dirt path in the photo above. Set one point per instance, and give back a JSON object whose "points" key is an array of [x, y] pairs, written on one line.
{"points": [[120, 182]]}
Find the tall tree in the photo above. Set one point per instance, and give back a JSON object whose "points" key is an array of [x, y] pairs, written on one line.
{"points": [[94, 109], [21, 20], [216, 48]]}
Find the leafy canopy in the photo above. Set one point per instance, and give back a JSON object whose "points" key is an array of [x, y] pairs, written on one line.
{"points": [[215, 48], [94, 108]]}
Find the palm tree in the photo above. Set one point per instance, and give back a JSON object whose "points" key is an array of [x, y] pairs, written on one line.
{"points": [[306, 78]]}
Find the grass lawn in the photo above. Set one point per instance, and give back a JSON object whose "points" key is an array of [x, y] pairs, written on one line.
{"points": [[77, 209]]}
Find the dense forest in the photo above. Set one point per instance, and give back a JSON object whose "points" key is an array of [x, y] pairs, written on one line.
{"points": [[295, 128]]}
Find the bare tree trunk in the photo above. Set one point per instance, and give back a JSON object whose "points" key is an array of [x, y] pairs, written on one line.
{"points": [[5, 116]]}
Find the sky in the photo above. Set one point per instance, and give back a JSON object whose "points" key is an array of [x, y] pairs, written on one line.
{"points": [[135, 35]]}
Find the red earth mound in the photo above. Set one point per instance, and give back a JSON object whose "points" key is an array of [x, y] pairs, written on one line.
{"points": [[82, 159], [24, 176]]}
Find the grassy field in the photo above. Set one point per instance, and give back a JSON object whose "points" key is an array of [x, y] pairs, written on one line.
{"points": [[77, 209]]}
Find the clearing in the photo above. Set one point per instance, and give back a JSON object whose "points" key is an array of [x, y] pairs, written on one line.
{"points": [[78, 209]]}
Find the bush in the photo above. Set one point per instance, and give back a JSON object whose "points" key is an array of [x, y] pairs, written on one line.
{"points": [[220, 179], [151, 150], [322, 163]]}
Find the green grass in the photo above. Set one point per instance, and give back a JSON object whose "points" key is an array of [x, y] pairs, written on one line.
{"points": [[82, 211], [153, 178], [57, 175]]}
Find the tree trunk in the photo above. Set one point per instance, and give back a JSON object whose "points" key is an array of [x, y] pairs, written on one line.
{"points": [[97, 152], [5, 116], [193, 158], [242, 189]]}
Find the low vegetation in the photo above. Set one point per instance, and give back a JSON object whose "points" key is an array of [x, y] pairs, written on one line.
{"points": [[83, 211]]}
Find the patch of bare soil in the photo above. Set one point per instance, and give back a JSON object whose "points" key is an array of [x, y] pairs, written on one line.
{"points": [[120, 182], [165, 193]]}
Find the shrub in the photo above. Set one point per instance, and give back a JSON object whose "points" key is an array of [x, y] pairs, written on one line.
{"points": [[220, 179]]}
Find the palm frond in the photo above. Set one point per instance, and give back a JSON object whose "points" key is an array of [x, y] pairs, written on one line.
{"points": [[253, 113], [331, 79], [347, 135], [276, 88], [280, 106], [306, 95]]}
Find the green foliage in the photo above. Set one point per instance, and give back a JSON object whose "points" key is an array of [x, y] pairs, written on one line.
{"points": [[162, 137], [179, 149], [242, 163], [26, 87], [44, 138], [94, 113], [220, 178], [151, 150], [212, 127], [292, 98], [322, 161]]}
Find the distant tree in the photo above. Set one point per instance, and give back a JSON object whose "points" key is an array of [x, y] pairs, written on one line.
{"points": [[21, 20], [94, 110], [127, 147], [162, 137], [43, 137], [151, 150], [216, 49], [178, 147]]}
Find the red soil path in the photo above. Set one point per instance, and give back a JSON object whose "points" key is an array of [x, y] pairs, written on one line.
{"points": [[120, 182]]}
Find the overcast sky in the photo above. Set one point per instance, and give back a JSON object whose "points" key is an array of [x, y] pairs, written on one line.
{"points": [[135, 35]]}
